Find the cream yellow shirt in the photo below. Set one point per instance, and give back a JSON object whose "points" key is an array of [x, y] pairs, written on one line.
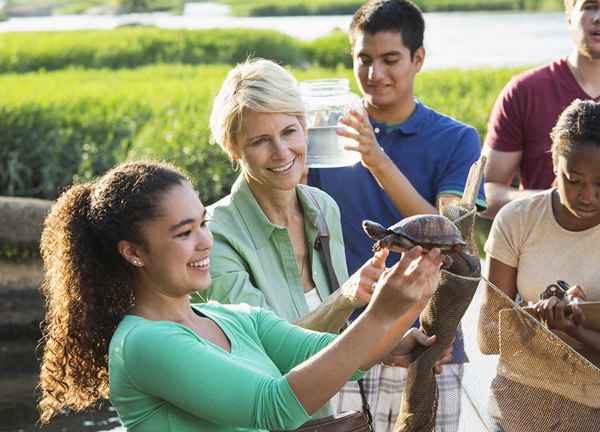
{"points": [[525, 235]]}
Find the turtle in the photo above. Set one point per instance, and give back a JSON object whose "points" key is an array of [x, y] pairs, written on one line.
{"points": [[428, 231]]}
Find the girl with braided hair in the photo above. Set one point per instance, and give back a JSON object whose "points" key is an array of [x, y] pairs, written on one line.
{"points": [[122, 256]]}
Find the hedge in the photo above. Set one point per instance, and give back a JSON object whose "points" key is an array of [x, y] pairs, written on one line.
{"points": [[70, 126], [134, 47]]}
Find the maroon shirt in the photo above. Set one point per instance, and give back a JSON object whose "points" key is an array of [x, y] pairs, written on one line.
{"points": [[524, 115]]}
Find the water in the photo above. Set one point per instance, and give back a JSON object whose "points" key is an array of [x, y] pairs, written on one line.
{"points": [[18, 380], [326, 148], [464, 40]]}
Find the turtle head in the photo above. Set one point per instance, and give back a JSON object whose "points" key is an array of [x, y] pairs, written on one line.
{"points": [[374, 230]]}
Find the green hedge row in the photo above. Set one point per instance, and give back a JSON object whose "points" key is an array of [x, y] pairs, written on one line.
{"points": [[68, 126], [134, 47], [347, 7]]}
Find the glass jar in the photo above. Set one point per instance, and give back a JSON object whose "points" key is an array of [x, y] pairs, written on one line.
{"points": [[327, 101]]}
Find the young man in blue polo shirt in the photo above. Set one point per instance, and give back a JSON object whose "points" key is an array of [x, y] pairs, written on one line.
{"points": [[413, 160]]}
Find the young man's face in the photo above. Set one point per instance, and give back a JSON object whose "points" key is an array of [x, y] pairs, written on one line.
{"points": [[384, 68], [584, 21]]}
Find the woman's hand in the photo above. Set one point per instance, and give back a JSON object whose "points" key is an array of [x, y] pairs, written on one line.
{"points": [[372, 155], [359, 287], [401, 355], [412, 280], [554, 312]]}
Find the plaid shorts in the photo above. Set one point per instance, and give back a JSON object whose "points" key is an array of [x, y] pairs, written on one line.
{"points": [[384, 385]]}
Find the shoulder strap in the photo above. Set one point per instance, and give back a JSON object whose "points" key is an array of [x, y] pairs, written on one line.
{"points": [[322, 243]]}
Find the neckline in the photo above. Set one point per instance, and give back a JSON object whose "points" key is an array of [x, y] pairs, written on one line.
{"points": [[197, 310]]}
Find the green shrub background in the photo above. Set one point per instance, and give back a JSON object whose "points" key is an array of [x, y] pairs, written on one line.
{"points": [[69, 126], [347, 7], [134, 47]]}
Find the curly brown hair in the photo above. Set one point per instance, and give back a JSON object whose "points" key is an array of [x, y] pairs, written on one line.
{"points": [[88, 284], [578, 125]]}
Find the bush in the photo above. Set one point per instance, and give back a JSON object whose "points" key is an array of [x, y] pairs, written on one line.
{"points": [[330, 51], [133, 47], [61, 127], [348, 7]]}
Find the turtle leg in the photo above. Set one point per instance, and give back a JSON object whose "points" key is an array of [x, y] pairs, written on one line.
{"points": [[447, 261], [400, 244], [384, 243]]}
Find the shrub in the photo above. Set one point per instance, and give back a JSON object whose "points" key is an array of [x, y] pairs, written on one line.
{"points": [[61, 127], [133, 47]]}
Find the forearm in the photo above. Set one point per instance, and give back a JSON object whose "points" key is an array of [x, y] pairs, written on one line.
{"points": [[331, 368], [393, 337], [590, 338], [402, 193], [498, 194], [330, 316]]}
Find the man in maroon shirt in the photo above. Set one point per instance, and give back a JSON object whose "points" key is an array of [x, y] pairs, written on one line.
{"points": [[518, 138]]}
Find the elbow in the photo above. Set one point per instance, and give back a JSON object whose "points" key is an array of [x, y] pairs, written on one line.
{"points": [[495, 199]]}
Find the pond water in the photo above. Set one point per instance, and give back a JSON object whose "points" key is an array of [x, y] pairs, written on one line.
{"points": [[464, 40], [18, 381]]}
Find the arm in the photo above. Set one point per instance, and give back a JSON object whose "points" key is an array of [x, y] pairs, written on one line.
{"points": [[402, 193], [505, 278], [499, 172], [410, 282], [332, 314]]}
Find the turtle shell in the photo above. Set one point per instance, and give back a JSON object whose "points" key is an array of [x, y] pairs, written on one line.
{"points": [[435, 230]]}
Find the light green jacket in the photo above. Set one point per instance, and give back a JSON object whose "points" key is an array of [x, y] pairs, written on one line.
{"points": [[253, 261]]}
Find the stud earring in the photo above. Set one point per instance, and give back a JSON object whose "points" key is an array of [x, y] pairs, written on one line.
{"points": [[137, 263]]}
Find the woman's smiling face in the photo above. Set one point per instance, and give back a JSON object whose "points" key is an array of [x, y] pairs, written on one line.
{"points": [[272, 150]]}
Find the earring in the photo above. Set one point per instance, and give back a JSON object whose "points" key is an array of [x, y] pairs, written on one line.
{"points": [[137, 262]]}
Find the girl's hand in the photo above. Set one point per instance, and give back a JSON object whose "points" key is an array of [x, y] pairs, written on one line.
{"points": [[554, 312], [411, 280]]}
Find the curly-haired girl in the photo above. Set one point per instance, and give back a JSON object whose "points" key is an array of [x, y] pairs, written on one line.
{"points": [[122, 256]]}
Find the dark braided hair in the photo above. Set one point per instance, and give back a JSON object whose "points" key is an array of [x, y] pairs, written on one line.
{"points": [[87, 285], [577, 126]]}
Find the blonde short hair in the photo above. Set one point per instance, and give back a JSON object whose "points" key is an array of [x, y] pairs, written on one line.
{"points": [[256, 85]]}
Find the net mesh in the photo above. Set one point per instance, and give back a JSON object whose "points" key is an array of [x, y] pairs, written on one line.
{"points": [[542, 382]]}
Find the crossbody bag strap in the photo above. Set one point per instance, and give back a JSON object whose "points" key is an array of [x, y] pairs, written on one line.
{"points": [[322, 245]]}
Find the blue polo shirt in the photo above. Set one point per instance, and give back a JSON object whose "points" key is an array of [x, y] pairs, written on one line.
{"points": [[433, 151]]}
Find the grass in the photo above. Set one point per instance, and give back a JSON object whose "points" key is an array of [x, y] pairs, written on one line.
{"points": [[65, 126], [347, 7]]}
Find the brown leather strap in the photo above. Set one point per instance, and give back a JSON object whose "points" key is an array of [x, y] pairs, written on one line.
{"points": [[322, 245]]}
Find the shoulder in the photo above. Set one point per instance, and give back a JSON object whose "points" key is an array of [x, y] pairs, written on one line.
{"points": [[136, 335], [222, 209], [535, 78], [525, 208], [451, 130], [326, 203]]}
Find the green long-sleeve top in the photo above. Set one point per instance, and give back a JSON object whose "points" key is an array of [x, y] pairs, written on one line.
{"points": [[164, 377]]}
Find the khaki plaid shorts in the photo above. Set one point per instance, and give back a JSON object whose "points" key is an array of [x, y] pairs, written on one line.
{"points": [[384, 385]]}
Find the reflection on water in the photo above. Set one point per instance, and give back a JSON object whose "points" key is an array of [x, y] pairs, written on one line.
{"points": [[18, 380]]}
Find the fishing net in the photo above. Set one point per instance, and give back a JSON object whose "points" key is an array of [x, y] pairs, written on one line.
{"points": [[544, 380]]}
